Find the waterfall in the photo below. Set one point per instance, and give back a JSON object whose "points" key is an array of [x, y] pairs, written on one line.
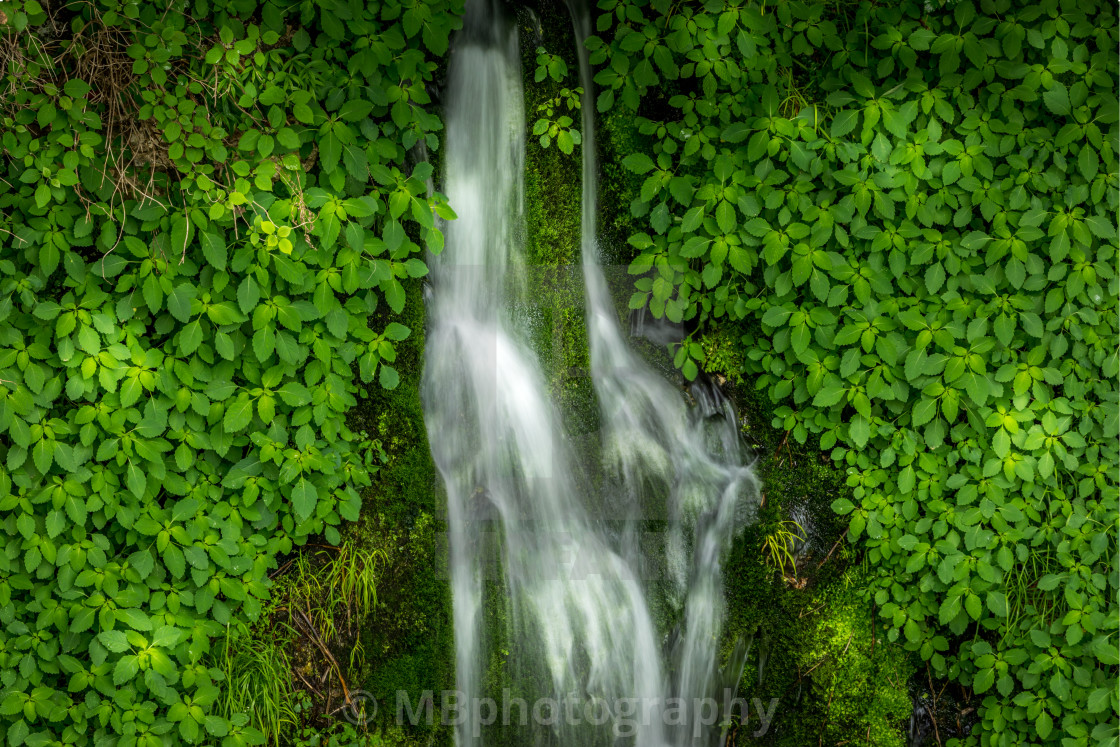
{"points": [[653, 438], [576, 612]]}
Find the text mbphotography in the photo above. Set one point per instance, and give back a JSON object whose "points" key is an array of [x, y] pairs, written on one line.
{"points": [[627, 715]]}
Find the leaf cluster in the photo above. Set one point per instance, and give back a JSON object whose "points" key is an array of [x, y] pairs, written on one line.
{"points": [[907, 211], [558, 126], [204, 244]]}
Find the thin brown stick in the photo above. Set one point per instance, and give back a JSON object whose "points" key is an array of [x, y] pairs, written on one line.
{"points": [[933, 706], [837, 544], [313, 634]]}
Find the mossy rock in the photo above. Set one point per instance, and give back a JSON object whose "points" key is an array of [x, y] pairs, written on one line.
{"points": [[409, 641]]}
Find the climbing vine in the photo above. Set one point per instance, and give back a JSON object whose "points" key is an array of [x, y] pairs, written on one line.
{"points": [[205, 220], [906, 211]]}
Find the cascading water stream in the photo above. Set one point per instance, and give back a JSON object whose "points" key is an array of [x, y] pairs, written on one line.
{"points": [[577, 610], [652, 438], [496, 438]]}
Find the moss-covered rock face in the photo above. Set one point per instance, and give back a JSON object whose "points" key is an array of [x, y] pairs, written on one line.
{"points": [[409, 641], [553, 192], [814, 644]]}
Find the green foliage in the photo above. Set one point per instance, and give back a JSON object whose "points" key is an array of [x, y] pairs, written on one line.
{"points": [[339, 734], [204, 204], [815, 643], [256, 683], [778, 545], [857, 682], [332, 592], [562, 128], [550, 66], [910, 212]]}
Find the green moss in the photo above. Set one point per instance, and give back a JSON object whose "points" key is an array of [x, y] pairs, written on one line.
{"points": [[552, 228], [618, 186], [836, 679], [409, 641], [552, 179]]}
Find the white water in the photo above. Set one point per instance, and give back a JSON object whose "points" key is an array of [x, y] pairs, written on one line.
{"points": [[577, 618]]}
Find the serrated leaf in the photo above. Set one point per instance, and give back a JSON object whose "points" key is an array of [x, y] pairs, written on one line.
{"points": [[639, 163], [844, 122], [136, 480], [126, 669], [304, 498], [248, 294], [238, 415], [388, 376], [179, 302], [214, 249], [1057, 99], [859, 431]]}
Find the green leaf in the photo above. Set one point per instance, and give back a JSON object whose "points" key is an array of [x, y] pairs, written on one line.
{"points": [[330, 151], [1043, 725], [396, 332], [388, 376], [725, 216], [18, 732], [997, 603], [214, 249], [1101, 227], [844, 122], [238, 415], [136, 481], [906, 480], [88, 340], [294, 394], [55, 523], [935, 278], [1087, 162], [924, 411], [248, 294], [126, 669], [288, 138], [736, 132], [114, 640], [1104, 648], [639, 163], [983, 681], [950, 608], [75, 510], [829, 395], [179, 302], [43, 455], [1099, 700], [190, 337], [304, 498], [859, 431], [972, 606], [395, 295], [1057, 99], [264, 343]]}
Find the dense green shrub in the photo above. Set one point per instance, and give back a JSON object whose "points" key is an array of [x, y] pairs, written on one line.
{"points": [[203, 204], [907, 212]]}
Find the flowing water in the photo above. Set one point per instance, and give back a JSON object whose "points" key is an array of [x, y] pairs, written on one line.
{"points": [[576, 623]]}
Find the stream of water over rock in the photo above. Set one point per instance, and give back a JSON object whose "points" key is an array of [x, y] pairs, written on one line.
{"points": [[573, 588]]}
